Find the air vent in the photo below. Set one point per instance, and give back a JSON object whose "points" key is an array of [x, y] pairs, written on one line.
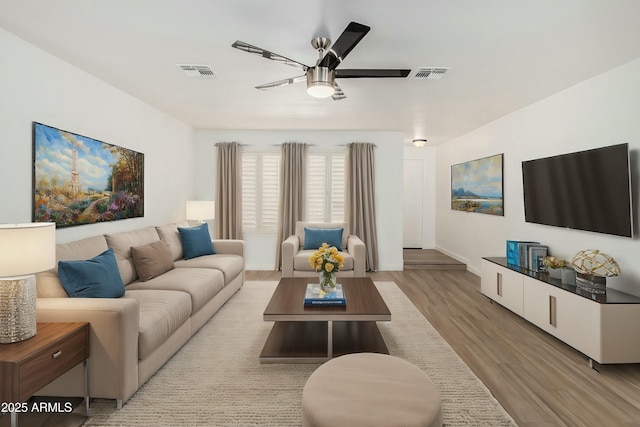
{"points": [[201, 71], [430, 73]]}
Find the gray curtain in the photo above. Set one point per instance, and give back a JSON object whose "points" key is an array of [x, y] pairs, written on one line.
{"points": [[229, 192], [292, 190], [360, 198]]}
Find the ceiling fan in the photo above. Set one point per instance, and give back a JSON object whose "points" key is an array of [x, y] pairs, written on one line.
{"points": [[321, 77]]}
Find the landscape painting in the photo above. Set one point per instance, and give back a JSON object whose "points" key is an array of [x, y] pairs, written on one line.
{"points": [[79, 180], [476, 186]]}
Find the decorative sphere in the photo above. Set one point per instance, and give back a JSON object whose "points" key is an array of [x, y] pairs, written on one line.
{"points": [[595, 262]]}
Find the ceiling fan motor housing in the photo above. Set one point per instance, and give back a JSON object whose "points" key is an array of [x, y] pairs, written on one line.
{"points": [[320, 82]]}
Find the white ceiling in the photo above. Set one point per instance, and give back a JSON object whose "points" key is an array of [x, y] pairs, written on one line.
{"points": [[504, 54]]}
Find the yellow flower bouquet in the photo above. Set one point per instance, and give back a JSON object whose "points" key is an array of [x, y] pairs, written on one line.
{"points": [[327, 260]]}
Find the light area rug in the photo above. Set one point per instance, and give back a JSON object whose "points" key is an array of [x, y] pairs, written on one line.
{"points": [[216, 379]]}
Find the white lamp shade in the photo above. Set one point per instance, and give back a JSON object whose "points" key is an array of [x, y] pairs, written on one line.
{"points": [[27, 248], [200, 210]]}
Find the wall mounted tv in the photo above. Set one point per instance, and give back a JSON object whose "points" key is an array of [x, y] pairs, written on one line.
{"points": [[587, 190]]}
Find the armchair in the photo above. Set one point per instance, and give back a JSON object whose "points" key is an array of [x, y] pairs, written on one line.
{"points": [[295, 259]]}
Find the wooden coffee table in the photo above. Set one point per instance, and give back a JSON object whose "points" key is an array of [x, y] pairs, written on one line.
{"points": [[315, 334]]}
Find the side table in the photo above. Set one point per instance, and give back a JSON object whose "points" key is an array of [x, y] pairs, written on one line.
{"points": [[27, 366]]}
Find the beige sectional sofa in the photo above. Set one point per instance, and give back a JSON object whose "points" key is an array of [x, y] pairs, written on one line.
{"points": [[134, 335]]}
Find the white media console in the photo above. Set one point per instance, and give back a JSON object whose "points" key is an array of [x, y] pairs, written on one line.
{"points": [[601, 326]]}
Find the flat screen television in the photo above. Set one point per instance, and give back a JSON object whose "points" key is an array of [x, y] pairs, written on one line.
{"points": [[587, 190]]}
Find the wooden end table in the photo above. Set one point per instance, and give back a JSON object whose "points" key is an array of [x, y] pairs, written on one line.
{"points": [[27, 366], [315, 334]]}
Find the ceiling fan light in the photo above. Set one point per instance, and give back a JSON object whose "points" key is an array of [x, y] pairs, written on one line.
{"points": [[320, 89], [320, 82], [419, 142]]}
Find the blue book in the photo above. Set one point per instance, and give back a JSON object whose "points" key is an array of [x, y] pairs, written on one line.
{"points": [[316, 296], [514, 252]]}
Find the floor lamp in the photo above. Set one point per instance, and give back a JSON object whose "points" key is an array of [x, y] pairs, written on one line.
{"points": [[25, 249]]}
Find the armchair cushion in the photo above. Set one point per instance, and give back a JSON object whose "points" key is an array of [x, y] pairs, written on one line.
{"points": [[301, 225], [315, 237]]}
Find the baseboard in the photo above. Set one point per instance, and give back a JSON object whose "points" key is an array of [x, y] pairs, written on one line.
{"points": [[470, 268], [452, 255]]}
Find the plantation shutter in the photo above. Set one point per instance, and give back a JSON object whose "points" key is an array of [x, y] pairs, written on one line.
{"points": [[337, 187], [260, 185], [250, 192], [269, 186], [325, 187]]}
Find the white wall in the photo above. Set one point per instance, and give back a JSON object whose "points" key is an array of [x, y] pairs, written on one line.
{"points": [[35, 86], [261, 249], [598, 112]]}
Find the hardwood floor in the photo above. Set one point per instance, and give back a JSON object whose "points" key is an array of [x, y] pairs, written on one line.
{"points": [[538, 379], [429, 259]]}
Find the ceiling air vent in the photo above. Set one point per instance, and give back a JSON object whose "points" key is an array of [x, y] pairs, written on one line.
{"points": [[430, 73], [202, 71]]}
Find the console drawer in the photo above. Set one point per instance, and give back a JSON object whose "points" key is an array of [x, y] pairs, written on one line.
{"points": [[51, 362]]}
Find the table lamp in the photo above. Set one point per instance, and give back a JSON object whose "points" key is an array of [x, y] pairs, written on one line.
{"points": [[201, 210], [25, 249]]}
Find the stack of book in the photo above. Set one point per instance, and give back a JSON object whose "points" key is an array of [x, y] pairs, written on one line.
{"points": [[527, 255], [316, 296]]}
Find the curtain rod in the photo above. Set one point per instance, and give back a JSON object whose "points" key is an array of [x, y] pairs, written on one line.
{"points": [[280, 145], [308, 145]]}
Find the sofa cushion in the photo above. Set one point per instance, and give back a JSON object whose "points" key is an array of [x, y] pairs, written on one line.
{"points": [[97, 277], [161, 314], [169, 234], [230, 265], [201, 284], [122, 243], [151, 260], [301, 260], [48, 282], [300, 226], [196, 241], [315, 237]]}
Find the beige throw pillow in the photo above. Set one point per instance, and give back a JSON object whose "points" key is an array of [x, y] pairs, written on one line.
{"points": [[152, 260]]}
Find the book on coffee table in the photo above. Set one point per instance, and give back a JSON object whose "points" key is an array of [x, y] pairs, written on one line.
{"points": [[316, 296]]}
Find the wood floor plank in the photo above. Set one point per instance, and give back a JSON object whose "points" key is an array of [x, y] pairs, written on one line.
{"points": [[537, 378]]}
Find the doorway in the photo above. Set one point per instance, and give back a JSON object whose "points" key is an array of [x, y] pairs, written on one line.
{"points": [[412, 206]]}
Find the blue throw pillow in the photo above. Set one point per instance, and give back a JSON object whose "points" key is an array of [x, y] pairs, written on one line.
{"points": [[315, 237], [196, 241], [97, 277]]}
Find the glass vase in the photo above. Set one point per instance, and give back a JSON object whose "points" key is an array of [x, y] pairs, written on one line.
{"points": [[328, 281]]}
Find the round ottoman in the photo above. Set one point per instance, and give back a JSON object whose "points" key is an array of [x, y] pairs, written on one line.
{"points": [[370, 389]]}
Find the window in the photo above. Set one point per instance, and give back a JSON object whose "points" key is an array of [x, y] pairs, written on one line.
{"points": [[325, 187], [260, 191]]}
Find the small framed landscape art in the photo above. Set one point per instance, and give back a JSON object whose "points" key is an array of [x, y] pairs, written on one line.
{"points": [[476, 186], [79, 180]]}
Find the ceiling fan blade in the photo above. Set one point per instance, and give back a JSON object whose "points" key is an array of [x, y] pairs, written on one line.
{"points": [[339, 94], [349, 38], [284, 82], [269, 55], [370, 73]]}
